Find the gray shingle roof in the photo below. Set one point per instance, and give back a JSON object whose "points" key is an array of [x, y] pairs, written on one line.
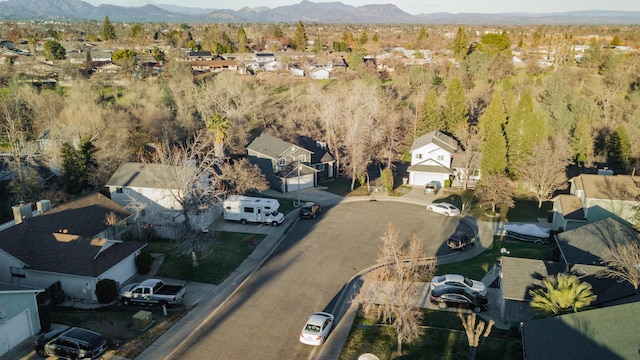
{"points": [[619, 187], [444, 141], [521, 275], [272, 146], [607, 333], [60, 240], [133, 174], [589, 243]]}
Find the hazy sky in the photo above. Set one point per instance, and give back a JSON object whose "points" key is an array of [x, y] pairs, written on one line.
{"points": [[411, 6]]}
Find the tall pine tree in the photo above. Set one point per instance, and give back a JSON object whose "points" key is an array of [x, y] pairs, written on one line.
{"points": [[431, 118], [525, 128], [619, 149], [582, 142], [494, 144], [455, 109], [108, 30], [300, 37]]}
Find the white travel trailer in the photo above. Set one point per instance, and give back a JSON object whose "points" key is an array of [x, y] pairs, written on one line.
{"points": [[252, 209]]}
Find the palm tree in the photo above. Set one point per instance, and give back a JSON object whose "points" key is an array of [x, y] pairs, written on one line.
{"points": [[218, 127], [561, 295]]}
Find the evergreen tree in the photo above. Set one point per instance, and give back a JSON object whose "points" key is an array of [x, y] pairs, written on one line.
{"points": [[54, 51], [277, 31], [364, 38], [300, 37], [78, 165], [108, 30], [494, 144], [455, 109], [619, 149], [461, 43], [243, 42], [431, 118], [582, 142], [525, 128], [318, 45]]}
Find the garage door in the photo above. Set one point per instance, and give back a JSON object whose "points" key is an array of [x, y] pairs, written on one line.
{"points": [[306, 181], [419, 178], [14, 331]]}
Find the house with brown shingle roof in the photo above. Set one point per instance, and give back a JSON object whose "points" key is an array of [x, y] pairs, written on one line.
{"points": [[71, 244], [599, 197]]}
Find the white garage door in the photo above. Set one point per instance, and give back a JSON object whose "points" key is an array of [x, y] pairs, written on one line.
{"points": [[14, 331], [306, 181], [419, 178]]}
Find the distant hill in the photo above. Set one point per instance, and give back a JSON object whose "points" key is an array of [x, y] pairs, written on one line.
{"points": [[307, 11]]}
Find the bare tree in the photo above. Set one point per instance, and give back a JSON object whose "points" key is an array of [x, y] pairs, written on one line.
{"points": [[391, 294], [241, 176], [622, 264], [190, 174], [476, 332], [470, 142], [544, 169], [496, 189]]}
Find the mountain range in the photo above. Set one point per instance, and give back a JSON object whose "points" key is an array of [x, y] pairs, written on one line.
{"points": [[306, 11]]}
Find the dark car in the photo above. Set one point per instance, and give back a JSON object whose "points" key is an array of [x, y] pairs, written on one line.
{"points": [[460, 240], [456, 296], [310, 210], [432, 187], [71, 343]]}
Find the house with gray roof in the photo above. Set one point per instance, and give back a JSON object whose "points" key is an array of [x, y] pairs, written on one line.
{"points": [[607, 333], [286, 166], [432, 159], [518, 276], [599, 197], [19, 317], [71, 243]]}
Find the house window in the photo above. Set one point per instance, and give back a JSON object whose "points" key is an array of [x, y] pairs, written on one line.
{"points": [[18, 272], [419, 156], [320, 167], [119, 190], [282, 161], [302, 158], [440, 157]]}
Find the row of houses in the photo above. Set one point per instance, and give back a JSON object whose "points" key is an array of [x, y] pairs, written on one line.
{"points": [[72, 245]]}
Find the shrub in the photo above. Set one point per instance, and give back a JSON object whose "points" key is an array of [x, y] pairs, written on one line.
{"points": [[447, 183], [143, 262], [106, 290]]}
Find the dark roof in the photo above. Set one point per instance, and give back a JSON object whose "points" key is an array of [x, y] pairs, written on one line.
{"points": [[442, 140], [589, 243], [519, 276], [272, 146], [319, 154], [608, 333], [61, 240]]}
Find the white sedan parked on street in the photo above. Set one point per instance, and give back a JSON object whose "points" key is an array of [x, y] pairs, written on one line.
{"points": [[445, 209], [459, 281], [317, 328]]}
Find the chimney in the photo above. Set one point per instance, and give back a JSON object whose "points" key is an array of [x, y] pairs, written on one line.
{"points": [[43, 205]]}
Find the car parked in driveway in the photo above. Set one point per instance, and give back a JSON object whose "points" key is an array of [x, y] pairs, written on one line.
{"points": [[446, 296], [71, 343], [459, 240], [309, 210], [432, 187], [454, 280], [445, 209], [317, 328]]}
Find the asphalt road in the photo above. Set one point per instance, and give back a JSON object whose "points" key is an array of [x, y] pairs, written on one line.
{"points": [[262, 320]]}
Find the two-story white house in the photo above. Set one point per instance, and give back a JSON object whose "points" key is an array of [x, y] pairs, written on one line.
{"points": [[432, 158]]}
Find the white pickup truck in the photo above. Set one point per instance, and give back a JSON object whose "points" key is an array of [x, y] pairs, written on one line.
{"points": [[152, 292]]}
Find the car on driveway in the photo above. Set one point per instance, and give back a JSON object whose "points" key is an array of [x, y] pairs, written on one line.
{"points": [[445, 209], [317, 328], [459, 240], [71, 343], [432, 187], [309, 210], [456, 296], [463, 282]]}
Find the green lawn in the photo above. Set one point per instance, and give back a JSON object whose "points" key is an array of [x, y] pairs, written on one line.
{"points": [[443, 338], [227, 252]]}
